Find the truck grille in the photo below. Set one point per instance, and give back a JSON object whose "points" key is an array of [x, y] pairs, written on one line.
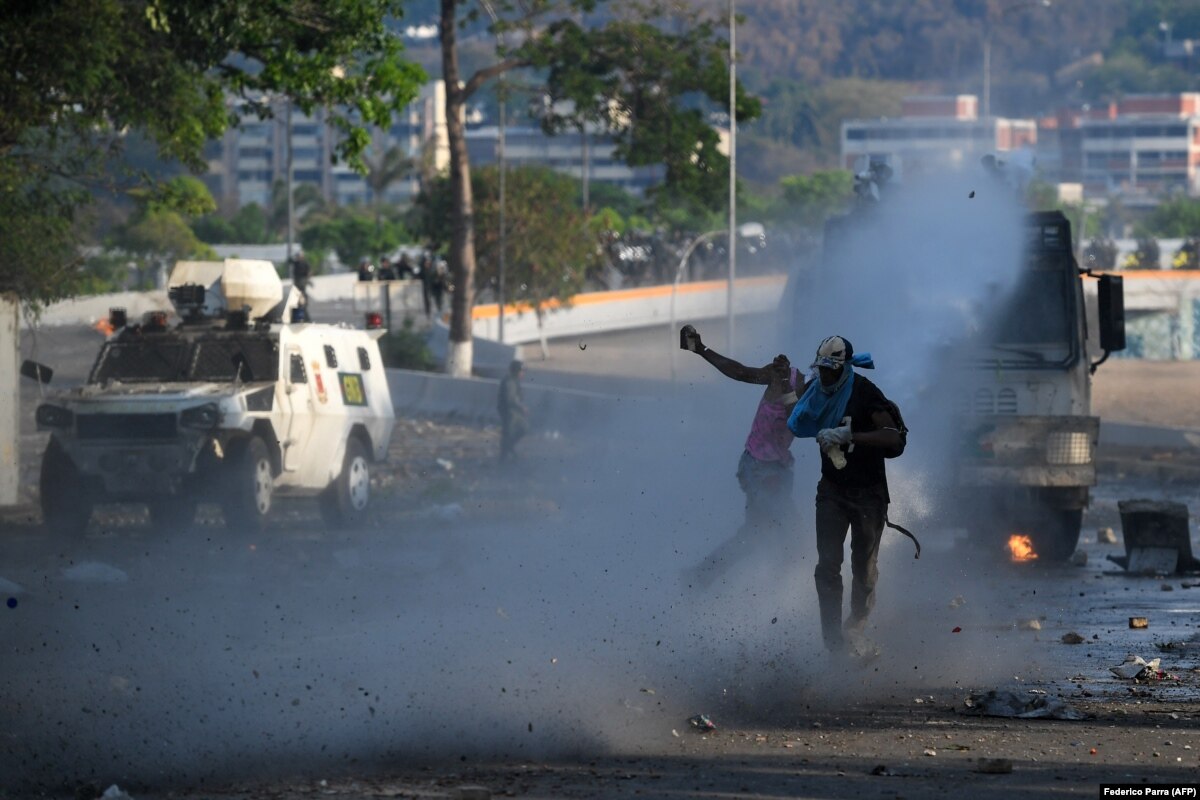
{"points": [[125, 426]]}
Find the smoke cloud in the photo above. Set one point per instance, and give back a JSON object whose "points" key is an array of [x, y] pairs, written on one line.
{"points": [[572, 632]]}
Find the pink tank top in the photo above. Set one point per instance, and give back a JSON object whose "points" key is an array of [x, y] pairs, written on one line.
{"points": [[770, 439]]}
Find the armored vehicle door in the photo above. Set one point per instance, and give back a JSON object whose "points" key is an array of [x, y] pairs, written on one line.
{"points": [[300, 408]]}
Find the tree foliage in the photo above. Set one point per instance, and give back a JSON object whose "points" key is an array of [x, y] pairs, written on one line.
{"points": [[76, 74], [647, 81]]}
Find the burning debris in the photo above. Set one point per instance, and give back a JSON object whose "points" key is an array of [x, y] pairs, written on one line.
{"points": [[1020, 548]]}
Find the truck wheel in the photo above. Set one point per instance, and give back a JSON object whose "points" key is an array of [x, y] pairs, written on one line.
{"points": [[1057, 534], [345, 501], [66, 499], [173, 513], [250, 483]]}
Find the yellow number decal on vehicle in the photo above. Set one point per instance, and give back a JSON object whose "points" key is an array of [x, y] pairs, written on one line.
{"points": [[353, 393]]}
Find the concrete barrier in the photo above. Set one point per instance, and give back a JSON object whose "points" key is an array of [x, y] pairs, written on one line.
{"points": [[474, 399], [626, 309]]}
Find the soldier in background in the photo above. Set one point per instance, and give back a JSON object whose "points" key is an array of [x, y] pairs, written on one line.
{"points": [[514, 415]]}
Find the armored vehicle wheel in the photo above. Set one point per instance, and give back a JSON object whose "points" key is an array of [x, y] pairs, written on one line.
{"points": [[250, 482], [66, 499], [345, 501], [172, 513], [1057, 534]]}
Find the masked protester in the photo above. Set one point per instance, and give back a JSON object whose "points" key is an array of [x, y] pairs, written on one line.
{"points": [[856, 428], [765, 468]]}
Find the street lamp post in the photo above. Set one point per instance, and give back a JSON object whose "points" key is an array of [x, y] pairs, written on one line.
{"points": [[732, 170], [987, 45], [748, 229]]}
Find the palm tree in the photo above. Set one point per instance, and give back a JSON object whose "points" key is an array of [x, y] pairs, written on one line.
{"points": [[306, 198], [386, 168]]}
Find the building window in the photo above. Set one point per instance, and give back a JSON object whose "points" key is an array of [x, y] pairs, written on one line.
{"points": [[855, 134], [307, 175]]}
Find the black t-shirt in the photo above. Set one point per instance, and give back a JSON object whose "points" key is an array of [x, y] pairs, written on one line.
{"points": [[864, 465]]}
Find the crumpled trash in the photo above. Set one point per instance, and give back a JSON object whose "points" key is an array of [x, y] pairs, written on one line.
{"points": [[701, 722], [114, 793], [1003, 703], [1136, 668]]}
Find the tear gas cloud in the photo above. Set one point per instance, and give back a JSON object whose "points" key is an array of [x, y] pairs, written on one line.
{"points": [[564, 632]]}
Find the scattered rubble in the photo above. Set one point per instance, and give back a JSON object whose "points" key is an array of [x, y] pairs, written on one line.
{"points": [[1029, 624], [1003, 703], [1139, 622], [1072, 638], [1139, 670], [1106, 536], [701, 722]]}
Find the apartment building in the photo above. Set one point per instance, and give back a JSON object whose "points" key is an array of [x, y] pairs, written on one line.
{"points": [[1145, 146], [570, 152], [932, 133], [247, 162]]}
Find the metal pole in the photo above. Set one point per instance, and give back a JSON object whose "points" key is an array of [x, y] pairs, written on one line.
{"points": [[288, 180], [732, 168], [586, 167], [503, 228], [683, 260], [987, 71]]}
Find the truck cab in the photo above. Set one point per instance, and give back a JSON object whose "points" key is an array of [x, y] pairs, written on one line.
{"points": [[1025, 410]]}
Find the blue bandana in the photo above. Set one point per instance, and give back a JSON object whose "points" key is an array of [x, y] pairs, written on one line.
{"points": [[819, 407]]}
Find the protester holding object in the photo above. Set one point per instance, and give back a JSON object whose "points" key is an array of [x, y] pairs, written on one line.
{"points": [[856, 427], [765, 468]]}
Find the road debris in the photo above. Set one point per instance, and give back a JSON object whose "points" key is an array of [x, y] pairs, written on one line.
{"points": [[881, 769], [1072, 638], [1106, 536], [1135, 667], [701, 722], [1029, 624], [1004, 703], [994, 766], [1139, 670], [1139, 622], [1166, 587], [929, 751]]}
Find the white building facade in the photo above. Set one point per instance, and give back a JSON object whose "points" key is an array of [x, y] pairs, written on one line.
{"points": [[1149, 146]]}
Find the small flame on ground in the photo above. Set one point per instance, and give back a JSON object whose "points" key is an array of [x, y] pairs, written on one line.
{"points": [[1021, 548]]}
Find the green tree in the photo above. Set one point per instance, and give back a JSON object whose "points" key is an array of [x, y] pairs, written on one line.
{"points": [[157, 233], [383, 170], [1178, 218], [80, 72], [547, 256], [808, 200], [628, 75], [352, 233]]}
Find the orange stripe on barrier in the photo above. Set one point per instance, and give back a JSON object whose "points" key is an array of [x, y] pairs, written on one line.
{"points": [[491, 311]]}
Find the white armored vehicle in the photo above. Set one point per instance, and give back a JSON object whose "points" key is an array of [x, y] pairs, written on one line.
{"points": [[239, 402]]}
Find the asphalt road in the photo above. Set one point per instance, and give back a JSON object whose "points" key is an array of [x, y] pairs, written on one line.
{"points": [[559, 649]]}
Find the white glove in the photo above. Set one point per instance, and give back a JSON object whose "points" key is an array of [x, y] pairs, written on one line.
{"points": [[834, 436]]}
